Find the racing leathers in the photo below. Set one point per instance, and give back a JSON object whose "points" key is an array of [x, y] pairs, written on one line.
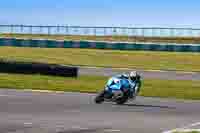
{"points": [[135, 84]]}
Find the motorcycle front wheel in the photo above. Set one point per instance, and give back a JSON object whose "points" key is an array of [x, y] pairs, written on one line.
{"points": [[99, 98]]}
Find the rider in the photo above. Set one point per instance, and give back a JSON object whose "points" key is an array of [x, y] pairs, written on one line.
{"points": [[135, 82]]}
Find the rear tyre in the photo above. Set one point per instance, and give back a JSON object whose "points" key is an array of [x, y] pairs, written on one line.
{"points": [[123, 99], [99, 98]]}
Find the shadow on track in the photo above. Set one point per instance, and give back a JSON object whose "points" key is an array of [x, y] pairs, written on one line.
{"points": [[148, 106]]}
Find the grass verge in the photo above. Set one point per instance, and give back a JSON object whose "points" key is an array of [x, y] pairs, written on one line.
{"points": [[195, 40], [105, 58], [151, 88], [188, 132]]}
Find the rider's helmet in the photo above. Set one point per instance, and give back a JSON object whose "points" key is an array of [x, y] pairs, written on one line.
{"points": [[133, 75]]}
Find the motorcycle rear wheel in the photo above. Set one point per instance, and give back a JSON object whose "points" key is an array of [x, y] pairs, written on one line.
{"points": [[123, 99]]}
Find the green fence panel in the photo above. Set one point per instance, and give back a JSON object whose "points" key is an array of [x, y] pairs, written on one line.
{"points": [[18, 42], [97, 45], [161, 48], [41, 43], [15, 42], [109, 46], [118, 46], [144, 47], [25, 43], [153, 47], [8, 42], [184, 48], [169, 48], [60, 44], [68, 44], [2, 42], [84, 44], [75, 44], [198, 48], [92, 45], [138, 46], [195, 48], [129, 46], [51, 44], [101, 45], [33, 43]]}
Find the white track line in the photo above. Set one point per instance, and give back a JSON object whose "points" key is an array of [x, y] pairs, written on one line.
{"points": [[11, 96], [28, 123], [111, 130], [79, 128], [4, 95], [184, 128]]}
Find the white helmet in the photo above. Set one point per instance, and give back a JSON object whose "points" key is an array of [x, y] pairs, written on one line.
{"points": [[133, 75]]}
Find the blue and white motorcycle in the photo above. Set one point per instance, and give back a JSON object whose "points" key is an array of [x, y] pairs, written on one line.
{"points": [[117, 90]]}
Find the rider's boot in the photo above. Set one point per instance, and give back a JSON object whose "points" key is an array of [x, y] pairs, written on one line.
{"points": [[132, 94]]}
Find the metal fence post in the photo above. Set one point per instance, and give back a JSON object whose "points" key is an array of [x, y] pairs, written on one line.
{"points": [[49, 30], [11, 29], [95, 31], [31, 28], [58, 29], [104, 30], [40, 27], [67, 30], [21, 29]]}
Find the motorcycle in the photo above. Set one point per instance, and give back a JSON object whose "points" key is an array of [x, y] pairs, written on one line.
{"points": [[116, 90]]}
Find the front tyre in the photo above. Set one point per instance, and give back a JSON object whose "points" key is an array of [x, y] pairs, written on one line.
{"points": [[99, 98]]}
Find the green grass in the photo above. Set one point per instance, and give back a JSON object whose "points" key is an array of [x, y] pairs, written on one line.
{"points": [[152, 88], [188, 132], [108, 38], [105, 58], [41, 82]]}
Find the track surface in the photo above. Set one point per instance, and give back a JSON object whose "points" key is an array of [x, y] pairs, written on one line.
{"points": [[170, 75], [28, 112]]}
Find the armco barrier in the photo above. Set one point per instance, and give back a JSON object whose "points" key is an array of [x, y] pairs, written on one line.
{"points": [[99, 45], [37, 68]]}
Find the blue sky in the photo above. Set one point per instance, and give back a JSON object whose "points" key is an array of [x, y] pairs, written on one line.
{"points": [[134, 13]]}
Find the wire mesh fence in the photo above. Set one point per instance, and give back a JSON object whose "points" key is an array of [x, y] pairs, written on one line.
{"points": [[100, 31]]}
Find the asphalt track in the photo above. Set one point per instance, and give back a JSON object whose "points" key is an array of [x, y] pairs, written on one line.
{"points": [[35, 112], [146, 74]]}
